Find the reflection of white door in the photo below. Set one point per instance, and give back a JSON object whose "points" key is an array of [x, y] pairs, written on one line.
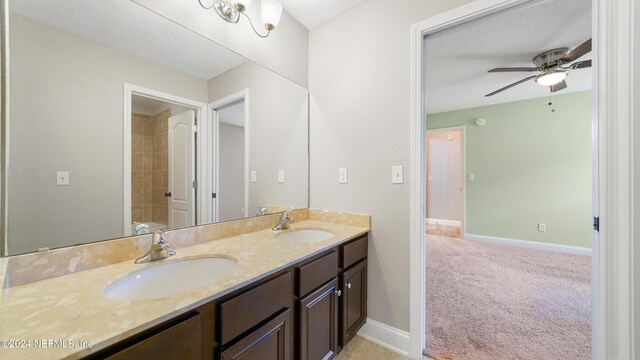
{"points": [[445, 196], [181, 170]]}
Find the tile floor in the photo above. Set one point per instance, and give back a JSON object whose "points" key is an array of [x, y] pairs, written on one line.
{"points": [[361, 349]]}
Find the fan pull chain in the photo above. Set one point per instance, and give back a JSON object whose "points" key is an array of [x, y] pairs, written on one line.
{"points": [[551, 103]]}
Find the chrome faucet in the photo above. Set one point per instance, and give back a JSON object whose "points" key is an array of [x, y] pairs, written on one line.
{"points": [[285, 220], [159, 249]]}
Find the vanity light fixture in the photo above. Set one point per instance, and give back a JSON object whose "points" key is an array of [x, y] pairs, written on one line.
{"points": [[230, 11]]}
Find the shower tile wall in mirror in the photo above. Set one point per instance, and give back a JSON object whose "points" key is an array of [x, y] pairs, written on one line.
{"points": [[122, 122]]}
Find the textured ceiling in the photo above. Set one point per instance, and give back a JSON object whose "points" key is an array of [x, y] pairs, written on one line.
{"points": [[128, 26], [458, 58], [312, 13]]}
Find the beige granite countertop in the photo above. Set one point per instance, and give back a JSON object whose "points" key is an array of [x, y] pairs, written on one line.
{"points": [[71, 308]]}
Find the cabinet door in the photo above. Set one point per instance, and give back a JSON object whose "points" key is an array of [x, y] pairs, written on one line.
{"points": [[269, 342], [354, 300], [181, 341], [319, 323]]}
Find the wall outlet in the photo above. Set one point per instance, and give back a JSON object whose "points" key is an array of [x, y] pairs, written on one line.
{"points": [[397, 175], [343, 176], [253, 176], [62, 178], [281, 176], [542, 227]]}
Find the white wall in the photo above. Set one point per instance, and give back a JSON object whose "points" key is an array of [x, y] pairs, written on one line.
{"points": [[232, 177], [359, 81], [57, 124], [285, 51], [278, 126], [444, 176]]}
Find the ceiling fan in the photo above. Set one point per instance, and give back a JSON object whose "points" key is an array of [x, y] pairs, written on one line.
{"points": [[551, 68]]}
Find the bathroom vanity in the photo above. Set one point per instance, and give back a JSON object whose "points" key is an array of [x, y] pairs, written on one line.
{"points": [[233, 290], [308, 311]]}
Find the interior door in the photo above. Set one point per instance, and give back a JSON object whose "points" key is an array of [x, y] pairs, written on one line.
{"points": [[181, 170]]}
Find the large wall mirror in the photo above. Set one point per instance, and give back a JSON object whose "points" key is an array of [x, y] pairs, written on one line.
{"points": [[121, 122]]}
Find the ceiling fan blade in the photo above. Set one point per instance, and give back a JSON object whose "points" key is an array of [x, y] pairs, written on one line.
{"points": [[580, 65], [557, 87], [510, 86], [576, 53], [513, 69]]}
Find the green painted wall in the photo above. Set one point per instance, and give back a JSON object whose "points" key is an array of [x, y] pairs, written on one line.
{"points": [[531, 166]]}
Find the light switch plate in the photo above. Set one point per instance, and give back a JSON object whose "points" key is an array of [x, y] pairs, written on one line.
{"points": [[397, 175], [253, 176], [62, 178], [430, 177], [472, 177], [281, 176], [542, 227], [343, 176]]}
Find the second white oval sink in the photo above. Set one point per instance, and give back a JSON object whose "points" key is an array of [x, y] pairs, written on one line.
{"points": [[305, 235], [169, 278]]}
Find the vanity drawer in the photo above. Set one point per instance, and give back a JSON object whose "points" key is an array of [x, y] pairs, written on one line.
{"points": [[247, 310], [354, 252], [317, 272]]}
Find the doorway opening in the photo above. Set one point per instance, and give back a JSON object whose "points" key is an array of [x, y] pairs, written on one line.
{"points": [[445, 182], [228, 176], [160, 161], [519, 273]]}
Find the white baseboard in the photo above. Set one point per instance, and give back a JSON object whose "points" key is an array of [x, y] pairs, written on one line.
{"points": [[565, 249], [444, 222], [384, 335]]}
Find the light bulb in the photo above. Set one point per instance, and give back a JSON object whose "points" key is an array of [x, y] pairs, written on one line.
{"points": [[271, 12]]}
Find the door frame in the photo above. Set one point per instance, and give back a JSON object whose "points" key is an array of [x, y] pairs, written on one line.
{"points": [[213, 156], [463, 145], [201, 113], [613, 112]]}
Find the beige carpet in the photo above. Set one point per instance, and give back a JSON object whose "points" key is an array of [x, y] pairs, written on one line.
{"points": [[492, 302]]}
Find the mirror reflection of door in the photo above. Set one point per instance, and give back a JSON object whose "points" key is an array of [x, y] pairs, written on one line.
{"points": [[162, 165], [181, 204], [231, 158]]}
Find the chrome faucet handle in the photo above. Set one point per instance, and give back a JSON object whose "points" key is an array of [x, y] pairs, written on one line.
{"points": [[262, 211], [159, 235]]}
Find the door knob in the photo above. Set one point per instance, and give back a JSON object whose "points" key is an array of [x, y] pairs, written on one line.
{"points": [[167, 194], [339, 292]]}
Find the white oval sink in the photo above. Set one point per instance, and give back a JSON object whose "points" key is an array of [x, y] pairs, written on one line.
{"points": [[169, 278], [305, 235]]}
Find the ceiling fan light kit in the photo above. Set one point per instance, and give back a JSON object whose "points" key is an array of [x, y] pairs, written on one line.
{"points": [[552, 67], [549, 78]]}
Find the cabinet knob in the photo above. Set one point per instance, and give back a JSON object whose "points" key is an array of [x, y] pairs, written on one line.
{"points": [[348, 285], [339, 292]]}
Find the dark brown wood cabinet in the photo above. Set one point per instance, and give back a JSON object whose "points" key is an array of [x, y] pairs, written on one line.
{"points": [[270, 341], [308, 311], [179, 341], [353, 300], [318, 314]]}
